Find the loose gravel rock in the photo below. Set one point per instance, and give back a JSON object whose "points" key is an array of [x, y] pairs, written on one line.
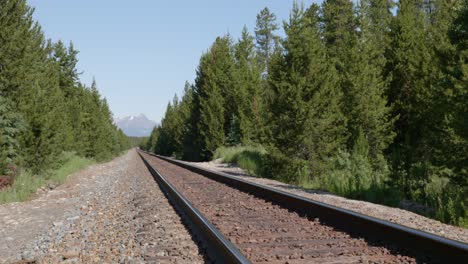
{"points": [[391, 214], [268, 233], [108, 213]]}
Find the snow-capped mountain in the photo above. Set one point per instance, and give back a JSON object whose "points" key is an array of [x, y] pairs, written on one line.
{"points": [[135, 126]]}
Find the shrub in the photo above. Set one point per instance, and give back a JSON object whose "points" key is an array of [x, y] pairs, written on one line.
{"points": [[249, 158], [68, 163], [287, 169], [27, 183], [448, 200]]}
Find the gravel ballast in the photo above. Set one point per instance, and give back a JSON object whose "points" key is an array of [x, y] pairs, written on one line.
{"points": [[268, 233], [391, 214], [108, 213]]}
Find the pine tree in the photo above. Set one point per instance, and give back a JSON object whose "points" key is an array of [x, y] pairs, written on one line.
{"points": [[171, 132], [339, 32], [308, 123], [451, 142], [16, 26], [376, 16], [166, 141], [366, 104], [192, 145], [42, 106], [66, 61], [11, 124], [410, 93], [66, 58], [266, 38], [339, 27], [215, 91], [359, 58], [153, 139], [248, 118], [185, 134]]}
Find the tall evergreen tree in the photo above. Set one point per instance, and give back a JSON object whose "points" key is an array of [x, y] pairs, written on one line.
{"points": [[11, 125], [214, 89], [16, 26], [339, 27], [67, 60], [190, 109], [339, 31], [308, 123], [153, 139], [376, 17], [166, 141], [410, 91], [267, 39], [247, 84], [42, 106], [450, 101], [366, 107], [359, 57]]}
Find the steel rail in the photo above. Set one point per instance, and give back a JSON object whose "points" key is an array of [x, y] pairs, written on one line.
{"points": [[220, 249], [420, 243]]}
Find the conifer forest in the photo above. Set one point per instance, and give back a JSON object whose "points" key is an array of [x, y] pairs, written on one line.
{"points": [[46, 113], [365, 99]]}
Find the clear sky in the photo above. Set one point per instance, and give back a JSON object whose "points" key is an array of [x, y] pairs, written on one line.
{"points": [[141, 52]]}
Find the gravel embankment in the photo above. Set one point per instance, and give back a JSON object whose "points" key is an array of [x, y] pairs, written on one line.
{"points": [[107, 213], [391, 214]]}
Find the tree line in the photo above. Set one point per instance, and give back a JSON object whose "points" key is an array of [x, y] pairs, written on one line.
{"points": [[369, 100], [44, 109]]}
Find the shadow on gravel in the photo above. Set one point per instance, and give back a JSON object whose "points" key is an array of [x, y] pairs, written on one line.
{"points": [[237, 174], [297, 188], [187, 224]]}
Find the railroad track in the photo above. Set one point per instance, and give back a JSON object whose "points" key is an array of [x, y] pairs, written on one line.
{"points": [[244, 222]]}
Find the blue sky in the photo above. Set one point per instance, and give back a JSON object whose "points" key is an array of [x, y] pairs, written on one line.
{"points": [[142, 52]]}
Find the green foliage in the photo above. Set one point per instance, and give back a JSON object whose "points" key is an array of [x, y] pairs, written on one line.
{"points": [[247, 92], [214, 88], [27, 183], [138, 141], [24, 186], [306, 122], [11, 124], [265, 35], [353, 175], [359, 59], [358, 100], [44, 110], [449, 200], [285, 168], [250, 158], [233, 136], [66, 164]]}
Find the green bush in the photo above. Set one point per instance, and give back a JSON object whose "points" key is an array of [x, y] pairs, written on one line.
{"points": [[448, 200], [352, 175], [286, 169], [68, 163], [249, 158], [26, 183], [23, 187]]}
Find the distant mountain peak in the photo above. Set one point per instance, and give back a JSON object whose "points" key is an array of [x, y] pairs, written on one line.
{"points": [[135, 126]]}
